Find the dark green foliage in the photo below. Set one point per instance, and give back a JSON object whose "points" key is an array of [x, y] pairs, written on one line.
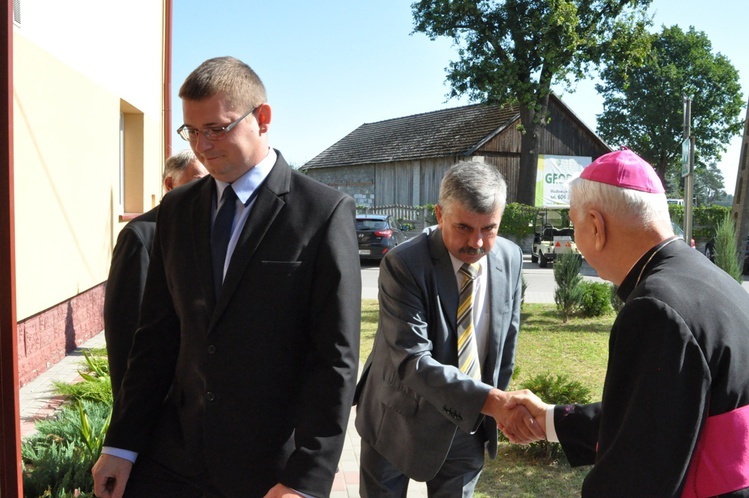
{"points": [[513, 52], [568, 292], [556, 390], [58, 458], [517, 220], [705, 219], [726, 255], [596, 299], [644, 105]]}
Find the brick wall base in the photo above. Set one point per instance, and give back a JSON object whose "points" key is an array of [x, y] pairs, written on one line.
{"points": [[45, 338]]}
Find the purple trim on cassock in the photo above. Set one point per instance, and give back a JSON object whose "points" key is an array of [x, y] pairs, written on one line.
{"points": [[721, 461]]}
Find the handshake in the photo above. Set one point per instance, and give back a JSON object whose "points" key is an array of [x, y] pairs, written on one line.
{"points": [[520, 415]]}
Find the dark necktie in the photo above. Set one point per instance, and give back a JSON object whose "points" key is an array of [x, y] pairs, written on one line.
{"points": [[468, 358], [220, 236]]}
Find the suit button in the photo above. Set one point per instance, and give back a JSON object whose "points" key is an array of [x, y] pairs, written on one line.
{"points": [[210, 396], [211, 349]]}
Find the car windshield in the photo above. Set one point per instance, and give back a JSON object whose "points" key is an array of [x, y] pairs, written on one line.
{"points": [[371, 225]]}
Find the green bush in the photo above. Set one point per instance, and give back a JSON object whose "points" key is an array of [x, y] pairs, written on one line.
{"points": [[595, 299], [517, 220], [556, 390], [568, 292], [616, 303], [57, 459], [705, 219]]}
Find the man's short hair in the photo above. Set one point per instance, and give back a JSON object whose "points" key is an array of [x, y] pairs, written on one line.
{"points": [[176, 164], [631, 206], [241, 85], [476, 186]]}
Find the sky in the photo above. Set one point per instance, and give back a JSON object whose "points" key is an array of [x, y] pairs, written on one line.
{"points": [[333, 65]]}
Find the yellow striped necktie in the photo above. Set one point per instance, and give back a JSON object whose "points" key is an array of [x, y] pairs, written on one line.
{"points": [[468, 356]]}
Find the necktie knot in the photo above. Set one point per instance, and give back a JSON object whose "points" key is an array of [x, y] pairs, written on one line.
{"points": [[229, 194], [470, 270]]}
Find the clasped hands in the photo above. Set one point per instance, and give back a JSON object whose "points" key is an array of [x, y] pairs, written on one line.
{"points": [[520, 415]]}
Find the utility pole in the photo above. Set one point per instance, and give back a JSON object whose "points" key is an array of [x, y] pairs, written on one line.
{"points": [[687, 168]]}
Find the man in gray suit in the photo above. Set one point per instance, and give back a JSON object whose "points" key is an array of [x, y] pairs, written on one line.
{"points": [[433, 387]]}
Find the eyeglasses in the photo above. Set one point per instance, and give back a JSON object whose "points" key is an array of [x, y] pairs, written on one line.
{"points": [[212, 133]]}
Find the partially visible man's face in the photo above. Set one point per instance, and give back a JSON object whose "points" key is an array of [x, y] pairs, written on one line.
{"points": [[193, 171], [468, 236]]}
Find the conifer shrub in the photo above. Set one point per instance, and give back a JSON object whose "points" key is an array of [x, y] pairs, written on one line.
{"points": [[555, 389], [568, 291], [595, 299]]}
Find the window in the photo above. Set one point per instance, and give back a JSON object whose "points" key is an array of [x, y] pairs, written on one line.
{"points": [[17, 12], [131, 159]]}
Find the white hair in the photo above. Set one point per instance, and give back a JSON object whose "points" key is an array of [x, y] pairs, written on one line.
{"points": [[642, 208]]}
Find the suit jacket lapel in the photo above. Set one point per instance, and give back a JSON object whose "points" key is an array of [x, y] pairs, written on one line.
{"points": [[446, 283], [495, 294], [267, 206]]}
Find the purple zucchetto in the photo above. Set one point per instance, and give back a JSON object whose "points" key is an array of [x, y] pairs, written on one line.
{"points": [[625, 169]]}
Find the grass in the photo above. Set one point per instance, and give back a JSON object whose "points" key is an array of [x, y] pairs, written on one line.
{"points": [[577, 349], [370, 312]]}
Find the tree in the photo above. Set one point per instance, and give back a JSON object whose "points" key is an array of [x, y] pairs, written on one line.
{"points": [[513, 51], [708, 183], [643, 106]]}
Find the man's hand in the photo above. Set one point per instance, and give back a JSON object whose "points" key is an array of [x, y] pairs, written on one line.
{"points": [[519, 424], [110, 476], [532, 403], [281, 491]]}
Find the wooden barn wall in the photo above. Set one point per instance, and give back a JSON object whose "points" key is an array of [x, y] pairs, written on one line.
{"points": [[506, 143], [432, 171], [394, 183], [564, 136], [509, 166]]}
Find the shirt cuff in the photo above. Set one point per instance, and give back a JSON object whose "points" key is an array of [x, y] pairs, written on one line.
{"points": [[128, 455], [302, 494], [551, 433]]}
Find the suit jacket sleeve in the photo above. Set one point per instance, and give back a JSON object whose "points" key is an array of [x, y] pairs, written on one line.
{"points": [[414, 327], [124, 292], [333, 360], [155, 349]]}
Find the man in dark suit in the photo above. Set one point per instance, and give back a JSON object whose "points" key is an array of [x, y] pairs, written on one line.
{"points": [[239, 384], [428, 399], [127, 273], [675, 410]]}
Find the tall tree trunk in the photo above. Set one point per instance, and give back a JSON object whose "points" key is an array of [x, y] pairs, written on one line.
{"points": [[528, 165], [531, 123]]}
